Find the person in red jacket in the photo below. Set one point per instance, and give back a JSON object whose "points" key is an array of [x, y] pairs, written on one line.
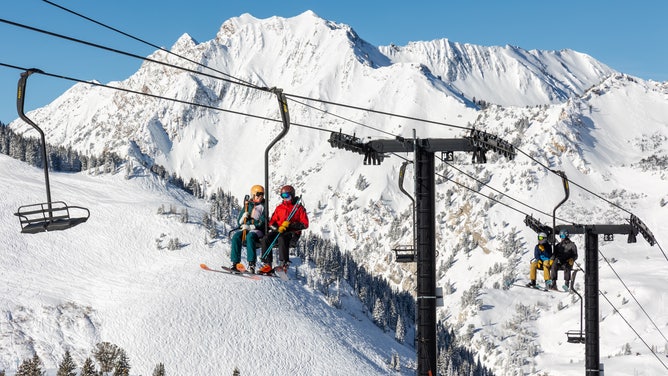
{"points": [[286, 230]]}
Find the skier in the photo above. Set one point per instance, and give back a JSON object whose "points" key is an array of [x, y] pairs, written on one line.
{"points": [[251, 222], [285, 229], [565, 254], [542, 254]]}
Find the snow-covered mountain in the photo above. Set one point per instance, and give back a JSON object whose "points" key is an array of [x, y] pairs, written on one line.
{"points": [[606, 130]]}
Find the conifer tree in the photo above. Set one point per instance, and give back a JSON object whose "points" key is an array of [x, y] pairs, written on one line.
{"points": [[30, 367], [106, 354], [88, 368], [400, 331], [67, 366], [236, 372], [159, 370], [122, 366]]}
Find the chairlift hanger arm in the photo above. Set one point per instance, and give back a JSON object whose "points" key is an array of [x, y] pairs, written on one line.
{"points": [[285, 118], [564, 181], [20, 103]]}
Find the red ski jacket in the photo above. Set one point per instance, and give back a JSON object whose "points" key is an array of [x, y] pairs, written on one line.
{"points": [[299, 220]]}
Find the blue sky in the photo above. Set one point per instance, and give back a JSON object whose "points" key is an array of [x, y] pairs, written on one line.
{"points": [[630, 37]]}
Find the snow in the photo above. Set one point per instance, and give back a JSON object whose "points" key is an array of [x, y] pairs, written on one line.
{"points": [[105, 280]]}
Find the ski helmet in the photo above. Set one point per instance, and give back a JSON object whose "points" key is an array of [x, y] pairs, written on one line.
{"points": [[257, 191], [290, 190], [542, 237]]}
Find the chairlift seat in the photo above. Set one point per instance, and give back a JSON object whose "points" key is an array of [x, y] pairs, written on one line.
{"points": [[575, 336], [404, 253], [42, 217]]}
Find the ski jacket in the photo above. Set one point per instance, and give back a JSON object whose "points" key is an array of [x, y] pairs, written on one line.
{"points": [[543, 254], [566, 250], [256, 215], [299, 220]]}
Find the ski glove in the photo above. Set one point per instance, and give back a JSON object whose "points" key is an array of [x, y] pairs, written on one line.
{"points": [[245, 227], [243, 218], [283, 226]]}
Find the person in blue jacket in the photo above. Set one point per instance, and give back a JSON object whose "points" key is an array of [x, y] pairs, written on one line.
{"points": [[542, 259]]}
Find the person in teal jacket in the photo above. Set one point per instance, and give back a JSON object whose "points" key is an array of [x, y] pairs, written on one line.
{"points": [[251, 223]]}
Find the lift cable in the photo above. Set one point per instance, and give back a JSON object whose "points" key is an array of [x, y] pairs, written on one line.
{"points": [[473, 190], [342, 117], [633, 296], [630, 326], [148, 43], [161, 97], [496, 190], [574, 183], [379, 112], [287, 95], [129, 54], [296, 96]]}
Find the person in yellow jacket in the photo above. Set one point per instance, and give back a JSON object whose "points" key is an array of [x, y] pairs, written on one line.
{"points": [[542, 259]]}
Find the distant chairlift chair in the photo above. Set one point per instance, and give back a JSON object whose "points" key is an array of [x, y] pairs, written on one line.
{"points": [[50, 215]]}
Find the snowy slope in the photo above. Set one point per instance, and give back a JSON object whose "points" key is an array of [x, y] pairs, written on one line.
{"points": [[105, 280]]}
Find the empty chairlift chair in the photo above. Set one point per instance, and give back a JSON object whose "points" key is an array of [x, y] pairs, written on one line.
{"points": [[49, 215]]}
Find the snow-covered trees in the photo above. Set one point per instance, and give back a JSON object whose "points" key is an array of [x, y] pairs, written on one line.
{"points": [[30, 367], [88, 368], [106, 355], [122, 364], [159, 370], [67, 366]]}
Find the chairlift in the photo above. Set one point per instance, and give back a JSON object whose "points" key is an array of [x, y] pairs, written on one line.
{"points": [[576, 336], [49, 215], [572, 336], [405, 253]]}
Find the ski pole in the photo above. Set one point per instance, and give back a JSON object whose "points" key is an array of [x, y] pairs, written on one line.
{"points": [[292, 213], [243, 233]]}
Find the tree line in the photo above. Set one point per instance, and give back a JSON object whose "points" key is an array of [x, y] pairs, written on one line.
{"points": [[111, 360], [389, 308]]}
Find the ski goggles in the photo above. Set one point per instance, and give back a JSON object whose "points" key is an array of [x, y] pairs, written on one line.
{"points": [[286, 195], [259, 194], [541, 238]]}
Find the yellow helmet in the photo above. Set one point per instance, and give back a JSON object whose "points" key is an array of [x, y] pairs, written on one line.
{"points": [[257, 190]]}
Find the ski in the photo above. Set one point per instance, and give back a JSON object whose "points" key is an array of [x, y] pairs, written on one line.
{"points": [[536, 287], [282, 272], [229, 271]]}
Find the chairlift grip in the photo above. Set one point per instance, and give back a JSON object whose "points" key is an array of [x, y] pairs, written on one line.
{"points": [[564, 181]]}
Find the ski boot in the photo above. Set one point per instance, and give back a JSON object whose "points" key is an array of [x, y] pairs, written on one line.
{"points": [[266, 269], [234, 268]]}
